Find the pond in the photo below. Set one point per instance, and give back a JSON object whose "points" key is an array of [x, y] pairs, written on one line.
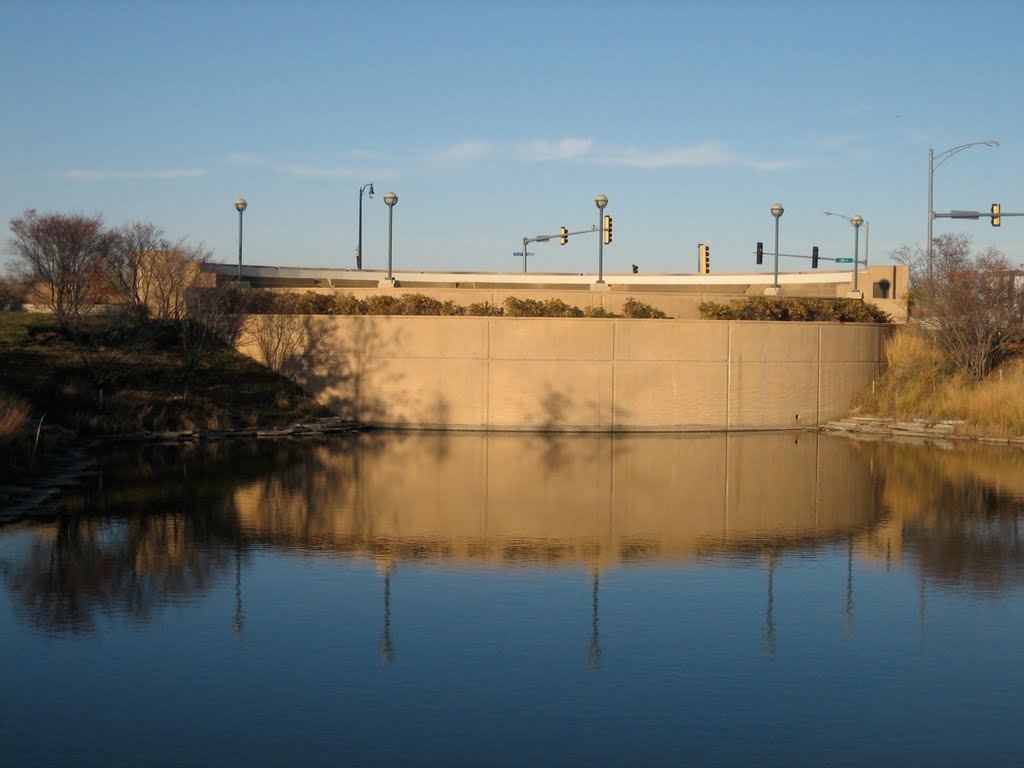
{"points": [[521, 599]]}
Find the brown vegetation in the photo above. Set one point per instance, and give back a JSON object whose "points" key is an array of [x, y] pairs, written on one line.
{"points": [[795, 309]]}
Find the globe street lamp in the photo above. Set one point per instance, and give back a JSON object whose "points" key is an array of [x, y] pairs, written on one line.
{"points": [[601, 202], [390, 199], [932, 165], [359, 247], [867, 241], [777, 211], [240, 205]]}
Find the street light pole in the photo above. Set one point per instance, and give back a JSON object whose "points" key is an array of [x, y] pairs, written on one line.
{"points": [[932, 165], [390, 199], [601, 202], [240, 206], [777, 211], [359, 247], [856, 221]]}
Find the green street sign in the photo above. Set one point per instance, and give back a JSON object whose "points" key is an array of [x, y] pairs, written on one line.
{"points": [[844, 261]]}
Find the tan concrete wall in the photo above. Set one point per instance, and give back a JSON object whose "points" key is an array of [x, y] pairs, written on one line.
{"points": [[582, 374]]}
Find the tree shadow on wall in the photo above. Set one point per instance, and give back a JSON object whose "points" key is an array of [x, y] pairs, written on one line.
{"points": [[312, 351]]}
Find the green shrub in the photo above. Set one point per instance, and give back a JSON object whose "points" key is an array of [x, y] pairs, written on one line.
{"points": [[795, 309], [484, 309], [383, 304], [347, 304], [637, 309], [597, 312], [418, 304], [451, 308]]}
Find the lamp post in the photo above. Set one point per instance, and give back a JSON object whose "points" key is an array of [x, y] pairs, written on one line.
{"points": [[932, 165], [777, 211], [856, 221], [601, 202], [240, 206], [359, 247], [390, 199]]}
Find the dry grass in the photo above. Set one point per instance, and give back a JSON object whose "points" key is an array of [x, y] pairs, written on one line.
{"points": [[14, 413], [918, 384]]}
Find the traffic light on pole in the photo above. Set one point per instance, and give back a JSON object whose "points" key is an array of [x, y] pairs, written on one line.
{"points": [[703, 260], [760, 253], [707, 259], [564, 237], [635, 269], [996, 209], [814, 257], [607, 230]]}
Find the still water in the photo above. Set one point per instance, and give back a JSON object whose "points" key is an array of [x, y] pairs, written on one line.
{"points": [[504, 599]]}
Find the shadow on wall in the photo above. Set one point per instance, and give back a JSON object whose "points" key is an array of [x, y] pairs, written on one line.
{"points": [[313, 352]]}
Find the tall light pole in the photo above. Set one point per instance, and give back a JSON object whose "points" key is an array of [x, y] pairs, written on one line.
{"points": [[240, 206], [390, 199], [856, 221], [601, 202], [867, 236], [777, 211], [359, 247], [932, 165]]}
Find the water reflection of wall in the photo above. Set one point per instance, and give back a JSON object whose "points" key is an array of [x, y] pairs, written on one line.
{"points": [[503, 498]]}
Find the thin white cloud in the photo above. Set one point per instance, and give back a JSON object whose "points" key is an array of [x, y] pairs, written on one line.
{"points": [[93, 175], [587, 151], [563, 149], [463, 152], [291, 169]]}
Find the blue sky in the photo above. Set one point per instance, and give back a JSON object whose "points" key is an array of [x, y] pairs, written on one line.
{"points": [[498, 120]]}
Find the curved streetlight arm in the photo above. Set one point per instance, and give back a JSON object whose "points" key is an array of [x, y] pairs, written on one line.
{"points": [[944, 156]]}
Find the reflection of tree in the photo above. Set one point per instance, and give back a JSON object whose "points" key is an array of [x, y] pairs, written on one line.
{"points": [[960, 511], [157, 526]]}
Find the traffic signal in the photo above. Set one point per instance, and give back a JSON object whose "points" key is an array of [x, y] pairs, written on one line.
{"points": [[564, 237], [703, 259], [635, 269], [814, 257], [995, 214], [606, 230], [760, 253]]}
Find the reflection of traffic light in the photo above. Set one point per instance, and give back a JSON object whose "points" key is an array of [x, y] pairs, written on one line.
{"points": [[814, 257], [760, 253], [635, 269], [995, 214], [703, 259], [606, 230], [565, 236]]}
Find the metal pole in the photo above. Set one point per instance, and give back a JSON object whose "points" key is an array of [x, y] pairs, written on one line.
{"points": [[776, 283], [391, 211], [931, 214], [240, 245], [359, 246], [856, 263], [600, 245], [525, 241]]}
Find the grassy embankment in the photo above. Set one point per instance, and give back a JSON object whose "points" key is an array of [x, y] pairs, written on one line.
{"points": [[919, 385], [129, 382]]}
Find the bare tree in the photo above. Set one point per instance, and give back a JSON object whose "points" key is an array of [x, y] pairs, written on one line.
{"points": [[66, 257], [971, 307], [210, 317], [152, 274]]}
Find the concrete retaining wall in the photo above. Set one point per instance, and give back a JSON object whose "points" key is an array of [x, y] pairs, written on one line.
{"points": [[574, 374]]}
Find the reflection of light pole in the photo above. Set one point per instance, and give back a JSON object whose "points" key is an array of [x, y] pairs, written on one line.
{"points": [[600, 201], [386, 648], [777, 211], [390, 199], [595, 636], [239, 621], [240, 205], [359, 247], [932, 165], [769, 619]]}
